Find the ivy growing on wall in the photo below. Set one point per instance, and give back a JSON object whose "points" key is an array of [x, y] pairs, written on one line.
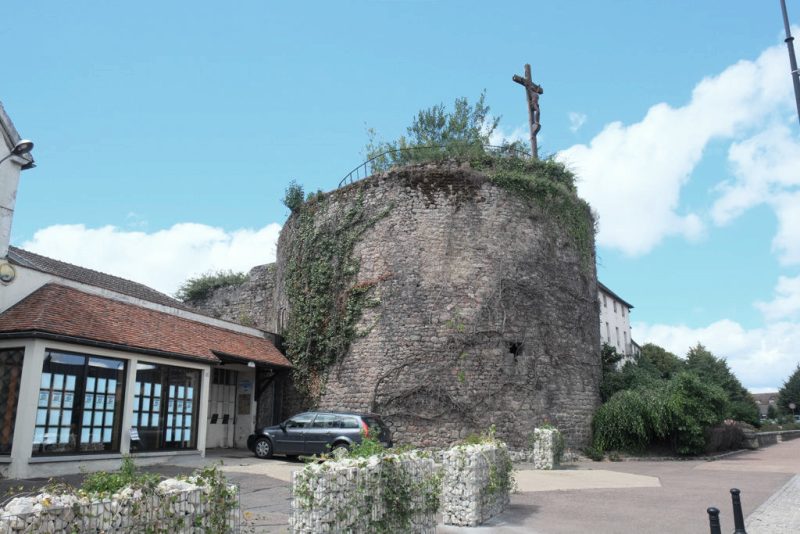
{"points": [[551, 186], [324, 300]]}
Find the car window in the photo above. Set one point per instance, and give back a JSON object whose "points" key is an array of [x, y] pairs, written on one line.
{"points": [[348, 421], [373, 422], [325, 420], [300, 421]]}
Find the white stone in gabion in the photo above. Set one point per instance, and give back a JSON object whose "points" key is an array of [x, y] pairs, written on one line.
{"points": [[466, 499], [65, 514], [173, 485], [20, 506], [546, 445]]}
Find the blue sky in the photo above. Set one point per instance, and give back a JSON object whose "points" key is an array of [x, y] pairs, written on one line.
{"points": [[166, 134]]}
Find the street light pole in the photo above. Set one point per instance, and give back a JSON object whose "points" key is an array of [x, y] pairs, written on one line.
{"points": [[792, 59]]}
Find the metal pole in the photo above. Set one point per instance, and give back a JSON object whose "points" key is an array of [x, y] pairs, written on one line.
{"points": [[738, 519], [792, 59], [713, 520]]}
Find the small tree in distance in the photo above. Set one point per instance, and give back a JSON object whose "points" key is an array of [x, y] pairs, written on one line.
{"points": [[790, 392]]}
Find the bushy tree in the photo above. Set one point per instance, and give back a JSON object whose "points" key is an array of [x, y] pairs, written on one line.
{"points": [[675, 411], [694, 405], [714, 370], [666, 363], [639, 372], [293, 198], [790, 392], [438, 133], [199, 287], [772, 412]]}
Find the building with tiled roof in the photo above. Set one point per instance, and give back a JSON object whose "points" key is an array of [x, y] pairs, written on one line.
{"points": [[94, 366], [75, 273]]}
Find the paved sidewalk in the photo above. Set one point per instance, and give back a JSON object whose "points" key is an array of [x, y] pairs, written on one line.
{"points": [[780, 514]]}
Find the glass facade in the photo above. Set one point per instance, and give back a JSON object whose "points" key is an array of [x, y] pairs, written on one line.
{"points": [[80, 404], [10, 377], [165, 407]]}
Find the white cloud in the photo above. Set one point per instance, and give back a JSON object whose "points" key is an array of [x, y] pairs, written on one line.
{"points": [[500, 137], [763, 165], [786, 304], [762, 358], [787, 240], [163, 259], [633, 175], [576, 120]]}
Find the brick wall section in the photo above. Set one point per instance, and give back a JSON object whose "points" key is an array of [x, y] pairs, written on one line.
{"points": [[488, 313]]}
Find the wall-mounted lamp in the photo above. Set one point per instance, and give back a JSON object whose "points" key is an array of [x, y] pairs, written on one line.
{"points": [[23, 146]]}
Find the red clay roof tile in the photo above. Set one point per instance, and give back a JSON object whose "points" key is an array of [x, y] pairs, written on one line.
{"points": [[59, 310]]}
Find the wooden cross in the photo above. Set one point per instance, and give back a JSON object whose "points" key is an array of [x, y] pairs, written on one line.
{"points": [[532, 91]]}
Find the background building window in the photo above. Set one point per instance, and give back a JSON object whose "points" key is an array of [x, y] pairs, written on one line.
{"points": [[10, 375], [79, 407], [165, 407]]}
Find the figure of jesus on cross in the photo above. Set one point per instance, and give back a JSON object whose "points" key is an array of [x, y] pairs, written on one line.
{"points": [[532, 91]]}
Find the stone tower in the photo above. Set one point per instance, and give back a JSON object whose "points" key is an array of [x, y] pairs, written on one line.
{"points": [[478, 304]]}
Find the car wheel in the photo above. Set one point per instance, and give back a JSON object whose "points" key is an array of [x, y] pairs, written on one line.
{"points": [[263, 448], [338, 446]]}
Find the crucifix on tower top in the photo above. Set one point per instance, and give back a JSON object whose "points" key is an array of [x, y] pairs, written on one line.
{"points": [[532, 92]]}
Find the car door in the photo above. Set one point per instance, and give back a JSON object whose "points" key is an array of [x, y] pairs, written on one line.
{"points": [[291, 438], [321, 433]]}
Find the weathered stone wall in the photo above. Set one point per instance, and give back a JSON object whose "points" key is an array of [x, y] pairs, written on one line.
{"points": [[487, 316], [249, 303]]}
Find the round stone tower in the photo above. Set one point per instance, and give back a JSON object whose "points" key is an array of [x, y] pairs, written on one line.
{"points": [[476, 304]]}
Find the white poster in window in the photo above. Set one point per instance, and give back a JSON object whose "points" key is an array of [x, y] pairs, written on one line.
{"points": [[99, 402], [69, 398], [55, 399], [188, 406], [156, 404], [110, 402], [88, 401], [44, 398]]}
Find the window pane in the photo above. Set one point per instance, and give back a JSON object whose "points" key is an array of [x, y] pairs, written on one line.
{"points": [[167, 387], [75, 414]]}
